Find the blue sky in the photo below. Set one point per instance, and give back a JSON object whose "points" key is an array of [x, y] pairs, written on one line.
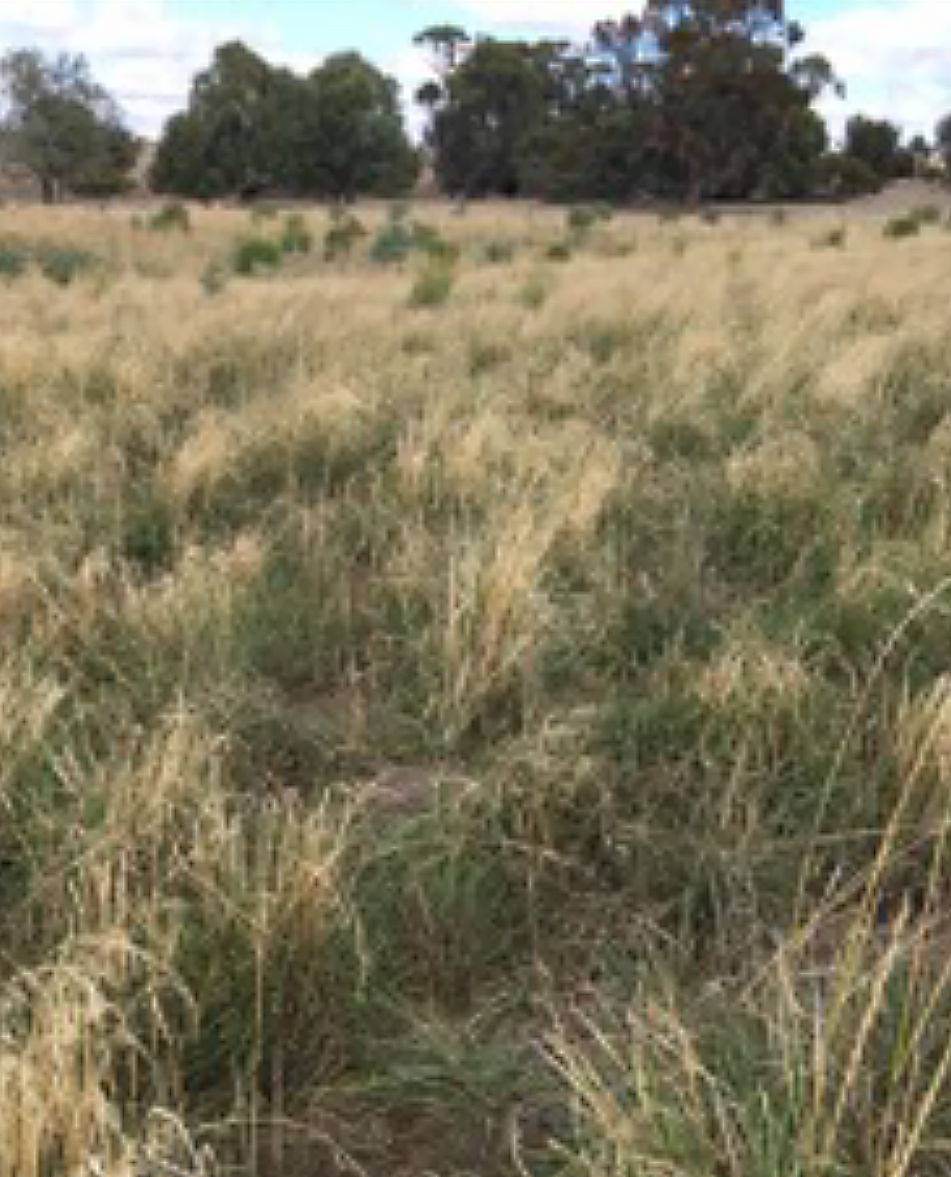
{"points": [[894, 55]]}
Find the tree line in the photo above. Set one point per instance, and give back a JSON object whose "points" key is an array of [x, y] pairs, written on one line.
{"points": [[691, 100]]}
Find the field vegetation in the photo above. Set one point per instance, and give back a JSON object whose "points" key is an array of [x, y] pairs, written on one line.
{"points": [[474, 695]]}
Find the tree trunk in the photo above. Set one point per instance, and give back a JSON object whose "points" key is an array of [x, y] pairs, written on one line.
{"points": [[48, 186]]}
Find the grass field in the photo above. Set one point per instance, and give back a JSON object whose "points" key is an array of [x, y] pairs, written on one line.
{"points": [[476, 703]]}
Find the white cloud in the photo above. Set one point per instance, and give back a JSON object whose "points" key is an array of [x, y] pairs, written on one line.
{"points": [[895, 59], [411, 68], [573, 15], [139, 49], [38, 18]]}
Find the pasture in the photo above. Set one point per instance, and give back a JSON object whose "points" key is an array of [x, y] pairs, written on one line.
{"points": [[474, 694]]}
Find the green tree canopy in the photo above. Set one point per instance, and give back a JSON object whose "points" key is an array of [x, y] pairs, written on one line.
{"points": [[252, 127], [877, 144], [711, 98], [59, 122]]}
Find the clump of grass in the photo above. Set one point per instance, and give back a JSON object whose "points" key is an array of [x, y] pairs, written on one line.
{"points": [[254, 255], [393, 244], [172, 217], [63, 264], [560, 251], [345, 233], [582, 218], [536, 291], [214, 279], [399, 238], [60, 263], [296, 236], [433, 285], [499, 253], [897, 228], [14, 260]]}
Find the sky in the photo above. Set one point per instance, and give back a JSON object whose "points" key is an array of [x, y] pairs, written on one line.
{"points": [[894, 55]]}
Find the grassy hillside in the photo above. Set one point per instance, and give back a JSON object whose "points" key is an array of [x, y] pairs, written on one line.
{"points": [[475, 698]]}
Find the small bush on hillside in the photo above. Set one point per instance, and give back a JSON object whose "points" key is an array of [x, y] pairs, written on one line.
{"points": [[342, 236], [254, 254], [433, 286], [296, 237], [899, 227], [171, 218]]}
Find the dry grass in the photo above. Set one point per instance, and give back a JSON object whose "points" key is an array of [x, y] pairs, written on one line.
{"points": [[508, 735]]}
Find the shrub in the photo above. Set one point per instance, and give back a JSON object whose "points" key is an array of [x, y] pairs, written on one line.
{"points": [[394, 242], [582, 219], [342, 236], [14, 260], [398, 239], [498, 253], [63, 264], [254, 254], [431, 242], [433, 286], [171, 217], [899, 227], [560, 251], [296, 236]]}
